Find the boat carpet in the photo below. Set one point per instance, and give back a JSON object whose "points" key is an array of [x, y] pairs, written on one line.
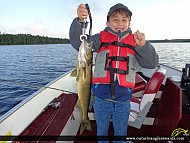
{"points": [[52, 120]]}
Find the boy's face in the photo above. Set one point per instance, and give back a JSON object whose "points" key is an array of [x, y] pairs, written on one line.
{"points": [[118, 22]]}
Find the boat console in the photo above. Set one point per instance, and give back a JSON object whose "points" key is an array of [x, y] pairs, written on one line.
{"points": [[185, 80]]}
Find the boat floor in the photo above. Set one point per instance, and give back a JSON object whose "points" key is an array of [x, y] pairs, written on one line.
{"points": [[51, 122]]}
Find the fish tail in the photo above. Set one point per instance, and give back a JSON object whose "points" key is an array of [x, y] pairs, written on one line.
{"points": [[85, 125]]}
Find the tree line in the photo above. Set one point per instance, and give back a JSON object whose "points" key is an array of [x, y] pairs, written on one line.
{"points": [[27, 39], [170, 41]]}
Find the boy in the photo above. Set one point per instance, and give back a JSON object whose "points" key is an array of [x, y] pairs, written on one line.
{"points": [[118, 51]]}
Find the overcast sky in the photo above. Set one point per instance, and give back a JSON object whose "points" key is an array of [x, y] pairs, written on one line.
{"points": [[158, 19]]}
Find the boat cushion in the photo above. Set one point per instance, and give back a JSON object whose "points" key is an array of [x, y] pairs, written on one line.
{"points": [[140, 84]]}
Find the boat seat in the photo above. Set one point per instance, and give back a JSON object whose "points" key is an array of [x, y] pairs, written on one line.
{"points": [[140, 84], [140, 106]]}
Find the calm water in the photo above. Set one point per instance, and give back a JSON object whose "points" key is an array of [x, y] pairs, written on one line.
{"points": [[28, 65], [173, 54]]}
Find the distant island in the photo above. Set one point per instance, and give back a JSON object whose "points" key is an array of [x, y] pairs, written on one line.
{"points": [[28, 39]]}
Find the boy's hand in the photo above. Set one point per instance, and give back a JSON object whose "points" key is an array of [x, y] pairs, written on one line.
{"points": [[82, 12], [139, 38]]}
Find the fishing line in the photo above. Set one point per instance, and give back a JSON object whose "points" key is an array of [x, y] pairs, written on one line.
{"points": [[20, 83], [32, 85], [90, 17]]}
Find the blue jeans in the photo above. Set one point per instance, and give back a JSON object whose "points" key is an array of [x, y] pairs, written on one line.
{"points": [[117, 111]]}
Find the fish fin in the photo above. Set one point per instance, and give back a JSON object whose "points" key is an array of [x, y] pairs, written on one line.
{"points": [[74, 73], [77, 105], [91, 102], [85, 125]]}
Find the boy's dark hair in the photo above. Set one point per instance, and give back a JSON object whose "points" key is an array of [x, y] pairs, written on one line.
{"points": [[120, 7]]}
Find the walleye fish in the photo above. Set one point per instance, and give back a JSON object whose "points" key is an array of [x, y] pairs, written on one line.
{"points": [[83, 82]]}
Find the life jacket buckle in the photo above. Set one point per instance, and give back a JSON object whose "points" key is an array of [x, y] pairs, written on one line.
{"points": [[113, 84]]}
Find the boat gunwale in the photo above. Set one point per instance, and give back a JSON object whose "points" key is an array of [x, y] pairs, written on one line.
{"points": [[173, 68]]}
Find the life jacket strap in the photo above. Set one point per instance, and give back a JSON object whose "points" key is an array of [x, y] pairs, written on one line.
{"points": [[118, 58], [117, 43], [112, 82], [119, 71], [121, 44]]}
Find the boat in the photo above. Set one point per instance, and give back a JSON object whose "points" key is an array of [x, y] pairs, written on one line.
{"points": [[50, 114]]}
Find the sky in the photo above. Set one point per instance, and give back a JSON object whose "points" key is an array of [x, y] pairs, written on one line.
{"points": [[157, 19]]}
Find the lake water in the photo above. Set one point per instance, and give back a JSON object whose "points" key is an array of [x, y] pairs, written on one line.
{"points": [[175, 55], [26, 68]]}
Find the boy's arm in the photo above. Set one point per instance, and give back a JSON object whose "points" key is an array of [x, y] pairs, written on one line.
{"points": [[75, 32], [147, 56]]}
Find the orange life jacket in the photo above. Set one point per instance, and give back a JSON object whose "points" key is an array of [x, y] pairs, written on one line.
{"points": [[115, 59]]}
